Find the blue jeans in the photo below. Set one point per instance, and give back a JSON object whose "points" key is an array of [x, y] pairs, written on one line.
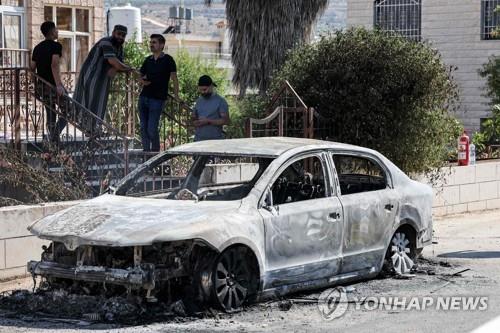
{"points": [[150, 110]]}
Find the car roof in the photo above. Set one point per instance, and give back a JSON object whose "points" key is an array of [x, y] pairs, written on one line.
{"points": [[264, 147]]}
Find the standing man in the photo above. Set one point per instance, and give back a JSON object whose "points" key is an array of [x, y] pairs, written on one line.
{"points": [[210, 113], [45, 60], [156, 72], [103, 62]]}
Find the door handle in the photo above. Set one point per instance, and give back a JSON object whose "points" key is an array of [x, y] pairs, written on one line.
{"points": [[334, 215], [389, 206]]}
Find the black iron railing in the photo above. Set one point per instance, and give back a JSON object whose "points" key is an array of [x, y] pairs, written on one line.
{"points": [[90, 143], [13, 58], [123, 113]]}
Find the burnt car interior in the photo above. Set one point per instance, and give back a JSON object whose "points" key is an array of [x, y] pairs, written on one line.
{"points": [[235, 184], [301, 180], [196, 177], [358, 174]]}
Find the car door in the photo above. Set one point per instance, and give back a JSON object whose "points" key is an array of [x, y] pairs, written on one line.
{"points": [[303, 223], [370, 205]]}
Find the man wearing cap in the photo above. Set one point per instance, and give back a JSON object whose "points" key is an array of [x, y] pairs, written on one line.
{"points": [[210, 113], [105, 59]]}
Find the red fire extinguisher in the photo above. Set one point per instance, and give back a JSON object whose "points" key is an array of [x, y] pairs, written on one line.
{"points": [[463, 149]]}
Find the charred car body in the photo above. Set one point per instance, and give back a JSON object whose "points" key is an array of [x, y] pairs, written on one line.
{"points": [[239, 220]]}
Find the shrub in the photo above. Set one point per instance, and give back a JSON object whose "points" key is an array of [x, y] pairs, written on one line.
{"points": [[250, 106], [382, 91]]}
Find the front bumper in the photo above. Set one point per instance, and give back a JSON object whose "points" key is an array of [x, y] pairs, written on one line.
{"points": [[143, 277]]}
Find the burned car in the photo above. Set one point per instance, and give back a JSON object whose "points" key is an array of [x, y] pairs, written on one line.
{"points": [[234, 221]]}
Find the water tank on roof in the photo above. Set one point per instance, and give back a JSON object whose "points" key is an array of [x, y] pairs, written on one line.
{"points": [[128, 16], [176, 12]]}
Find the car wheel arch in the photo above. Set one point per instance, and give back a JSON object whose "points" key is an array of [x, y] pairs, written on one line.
{"points": [[407, 225], [254, 248]]}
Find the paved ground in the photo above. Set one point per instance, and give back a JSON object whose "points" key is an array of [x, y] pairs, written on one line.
{"points": [[469, 241]]}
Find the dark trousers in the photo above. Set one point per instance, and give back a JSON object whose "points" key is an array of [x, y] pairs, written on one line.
{"points": [[150, 110], [55, 124]]}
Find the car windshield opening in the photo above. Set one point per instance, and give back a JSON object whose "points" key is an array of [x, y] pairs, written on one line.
{"points": [[195, 177]]}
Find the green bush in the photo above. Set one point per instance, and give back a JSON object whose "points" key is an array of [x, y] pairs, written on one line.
{"points": [[382, 91], [250, 106], [490, 131], [189, 69]]}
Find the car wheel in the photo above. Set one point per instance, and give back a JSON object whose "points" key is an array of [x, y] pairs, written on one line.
{"points": [[234, 278], [401, 252]]}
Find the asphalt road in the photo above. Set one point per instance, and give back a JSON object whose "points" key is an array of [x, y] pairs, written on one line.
{"points": [[468, 243]]}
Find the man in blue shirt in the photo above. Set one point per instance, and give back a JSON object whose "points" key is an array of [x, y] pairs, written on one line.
{"points": [[156, 72], [210, 113]]}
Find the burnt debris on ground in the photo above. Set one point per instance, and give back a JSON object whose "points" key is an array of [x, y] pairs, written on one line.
{"points": [[59, 304], [64, 305]]}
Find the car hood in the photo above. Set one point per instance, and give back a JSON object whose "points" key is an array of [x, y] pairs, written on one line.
{"points": [[111, 220]]}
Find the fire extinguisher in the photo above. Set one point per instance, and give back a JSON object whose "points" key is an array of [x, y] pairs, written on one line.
{"points": [[463, 149]]}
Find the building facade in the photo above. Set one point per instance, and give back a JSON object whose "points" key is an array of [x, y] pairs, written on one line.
{"points": [[80, 24], [462, 31]]}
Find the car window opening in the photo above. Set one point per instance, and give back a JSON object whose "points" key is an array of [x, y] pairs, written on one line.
{"points": [[358, 174], [196, 177]]}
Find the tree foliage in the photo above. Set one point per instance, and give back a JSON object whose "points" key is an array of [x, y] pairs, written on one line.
{"points": [[190, 68], [491, 72], [382, 91], [262, 31]]}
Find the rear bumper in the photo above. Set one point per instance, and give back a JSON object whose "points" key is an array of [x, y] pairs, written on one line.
{"points": [[143, 277]]}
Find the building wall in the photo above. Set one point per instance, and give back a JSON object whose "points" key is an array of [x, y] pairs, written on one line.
{"points": [[35, 17], [452, 27]]}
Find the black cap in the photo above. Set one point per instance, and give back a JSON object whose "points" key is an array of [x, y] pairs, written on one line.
{"points": [[120, 27], [205, 81]]}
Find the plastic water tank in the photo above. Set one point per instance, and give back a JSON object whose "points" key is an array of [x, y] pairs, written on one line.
{"points": [[128, 16]]}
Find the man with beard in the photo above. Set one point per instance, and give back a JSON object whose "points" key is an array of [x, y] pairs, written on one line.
{"points": [[156, 71], [103, 62], [210, 113]]}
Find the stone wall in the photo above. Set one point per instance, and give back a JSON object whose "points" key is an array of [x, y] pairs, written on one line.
{"points": [[17, 245], [468, 189]]}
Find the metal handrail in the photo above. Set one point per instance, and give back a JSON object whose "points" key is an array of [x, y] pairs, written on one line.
{"points": [[26, 100], [88, 113]]}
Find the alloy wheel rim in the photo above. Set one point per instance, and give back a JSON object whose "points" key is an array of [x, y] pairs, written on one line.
{"points": [[401, 251], [231, 280]]}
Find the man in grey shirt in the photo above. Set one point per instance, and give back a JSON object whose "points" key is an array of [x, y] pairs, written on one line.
{"points": [[210, 112]]}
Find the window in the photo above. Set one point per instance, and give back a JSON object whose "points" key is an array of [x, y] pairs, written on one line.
{"points": [[400, 16], [74, 34], [302, 180], [13, 3], [12, 31], [490, 19], [358, 174], [12, 34]]}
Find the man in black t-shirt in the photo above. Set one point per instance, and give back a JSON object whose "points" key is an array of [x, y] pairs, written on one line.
{"points": [[45, 60], [156, 72]]}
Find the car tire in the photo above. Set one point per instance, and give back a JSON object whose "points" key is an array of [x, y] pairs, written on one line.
{"points": [[401, 253], [234, 279]]}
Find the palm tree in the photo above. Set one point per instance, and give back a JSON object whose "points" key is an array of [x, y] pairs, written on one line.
{"points": [[262, 31]]}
